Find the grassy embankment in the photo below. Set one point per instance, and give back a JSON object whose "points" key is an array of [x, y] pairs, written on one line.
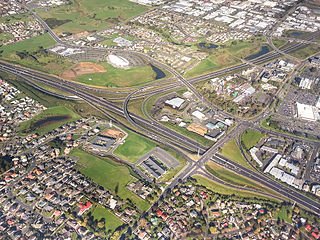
{"points": [[231, 150], [235, 179], [221, 189]]}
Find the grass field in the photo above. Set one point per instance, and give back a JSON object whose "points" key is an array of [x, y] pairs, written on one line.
{"points": [[108, 174], [27, 53], [306, 51], [116, 77], [283, 214], [111, 221], [279, 42], [134, 147], [92, 15], [53, 111], [250, 138], [223, 56], [231, 150], [29, 45], [221, 189]]}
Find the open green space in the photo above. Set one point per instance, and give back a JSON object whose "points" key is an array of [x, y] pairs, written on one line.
{"points": [[227, 55], [28, 45], [222, 189], [235, 179], [278, 42], [117, 77], [306, 51], [28, 126], [31, 53], [231, 150], [91, 15], [5, 36], [111, 221], [134, 147], [250, 138], [285, 214], [108, 174], [15, 18]]}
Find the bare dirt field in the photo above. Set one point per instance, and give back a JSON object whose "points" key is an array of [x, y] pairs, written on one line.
{"points": [[81, 69]]}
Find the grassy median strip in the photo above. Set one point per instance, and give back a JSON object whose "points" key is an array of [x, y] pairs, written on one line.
{"points": [[235, 179], [222, 189]]}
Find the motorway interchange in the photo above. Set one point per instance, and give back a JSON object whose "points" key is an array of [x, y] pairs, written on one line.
{"points": [[159, 133]]}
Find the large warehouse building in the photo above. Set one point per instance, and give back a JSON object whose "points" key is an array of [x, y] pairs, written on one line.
{"points": [[307, 112]]}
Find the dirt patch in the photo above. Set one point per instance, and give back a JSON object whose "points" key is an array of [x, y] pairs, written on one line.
{"points": [[81, 69]]}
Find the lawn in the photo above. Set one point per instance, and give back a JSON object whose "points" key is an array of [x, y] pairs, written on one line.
{"points": [[92, 15], [111, 221], [134, 147], [30, 53], [231, 150], [108, 174], [29, 45], [250, 138], [306, 51], [116, 77], [284, 214], [278, 42], [221, 189], [223, 56], [212, 63], [27, 127]]}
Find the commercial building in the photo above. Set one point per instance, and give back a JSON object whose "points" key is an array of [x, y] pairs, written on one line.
{"points": [[197, 129], [175, 103], [306, 112]]}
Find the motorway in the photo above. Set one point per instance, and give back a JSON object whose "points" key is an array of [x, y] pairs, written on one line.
{"points": [[162, 134]]}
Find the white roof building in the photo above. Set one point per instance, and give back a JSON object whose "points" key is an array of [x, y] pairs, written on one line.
{"points": [[118, 61], [273, 163], [253, 152], [305, 112], [175, 103], [199, 115]]}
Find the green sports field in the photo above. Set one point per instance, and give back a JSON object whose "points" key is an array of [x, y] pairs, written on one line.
{"points": [[107, 174], [134, 147], [92, 15]]}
